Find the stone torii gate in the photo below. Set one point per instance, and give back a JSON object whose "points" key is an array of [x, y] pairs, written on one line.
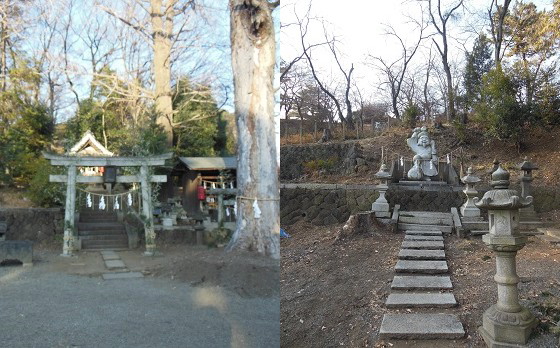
{"points": [[72, 162]]}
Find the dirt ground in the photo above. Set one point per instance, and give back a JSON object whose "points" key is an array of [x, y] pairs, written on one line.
{"points": [[247, 274], [333, 293]]}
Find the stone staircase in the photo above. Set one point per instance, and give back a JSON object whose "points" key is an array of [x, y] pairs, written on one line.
{"points": [[476, 225], [99, 230], [425, 221], [421, 292]]}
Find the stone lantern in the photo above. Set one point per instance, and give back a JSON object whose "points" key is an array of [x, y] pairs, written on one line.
{"points": [[468, 209], [381, 205], [507, 323], [526, 190]]}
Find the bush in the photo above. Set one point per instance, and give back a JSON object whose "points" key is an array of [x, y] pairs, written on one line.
{"points": [[411, 114], [320, 164], [41, 191], [498, 110]]}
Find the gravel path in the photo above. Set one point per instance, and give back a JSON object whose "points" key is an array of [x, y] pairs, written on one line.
{"points": [[51, 309]]}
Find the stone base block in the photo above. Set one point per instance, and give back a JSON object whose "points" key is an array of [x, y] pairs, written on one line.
{"points": [[470, 212], [380, 207], [21, 250], [503, 329]]}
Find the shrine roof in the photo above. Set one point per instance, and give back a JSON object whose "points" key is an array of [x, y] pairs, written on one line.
{"points": [[209, 163]]}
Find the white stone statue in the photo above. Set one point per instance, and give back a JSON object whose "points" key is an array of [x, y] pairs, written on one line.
{"points": [[425, 158]]}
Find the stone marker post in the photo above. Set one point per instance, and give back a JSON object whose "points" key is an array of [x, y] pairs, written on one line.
{"points": [[381, 205], [468, 209], [526, 190], [507, 323]]}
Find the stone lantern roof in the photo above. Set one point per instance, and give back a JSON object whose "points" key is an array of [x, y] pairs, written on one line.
{"points": [[528, 165], [470, 178], [501, 197], [383, 173]]}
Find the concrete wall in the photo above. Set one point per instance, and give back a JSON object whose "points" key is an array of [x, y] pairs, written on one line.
{"points": [[35, 224]]}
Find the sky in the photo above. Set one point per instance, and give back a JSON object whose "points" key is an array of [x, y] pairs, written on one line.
{"points": [[360, 26]]}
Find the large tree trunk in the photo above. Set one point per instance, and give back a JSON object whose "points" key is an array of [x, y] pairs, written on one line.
{"points": [[162, 26], [253, 58], [450, 94]]}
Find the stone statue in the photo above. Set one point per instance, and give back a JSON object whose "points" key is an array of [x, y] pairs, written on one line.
{"points": [[425, 158]]}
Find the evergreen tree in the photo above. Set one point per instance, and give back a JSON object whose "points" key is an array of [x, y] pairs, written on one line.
{"points": [[479, 62]]}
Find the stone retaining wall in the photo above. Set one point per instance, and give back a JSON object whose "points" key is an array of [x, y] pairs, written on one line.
{"points": [[326, 204], [323, 204], [347, 157], [35, 224], [426, 199]]}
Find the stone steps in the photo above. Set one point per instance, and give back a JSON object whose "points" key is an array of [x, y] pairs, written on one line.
{"points": [[420, 300], [422, 282], [421, 254], [417, 227], [89, 244], [419, 237], [421, 266], [100, 230], [422, 262], [427, 220], [426, 214], [422, 244], [424, 233], [421, 326]]}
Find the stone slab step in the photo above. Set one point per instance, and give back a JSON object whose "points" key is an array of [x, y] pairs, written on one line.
{"points": [[419, 237], [89, 244], [421, 283], [122, 275], [479, 233], [424, 233], [479, 225], [109, 255], [96, 226], [421, 254], [416, 227], [426, 213], [420, 300], [421, 266], [114, 264], [421, 326], [114, 236], [382, 214], [422, 244], [428, 220]]}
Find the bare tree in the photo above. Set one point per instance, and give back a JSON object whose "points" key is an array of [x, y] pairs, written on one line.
{"points": [[253, 58], [497, 18], [440, 19], [427, 102], [303, 24], [162, 25], [395, 71]]}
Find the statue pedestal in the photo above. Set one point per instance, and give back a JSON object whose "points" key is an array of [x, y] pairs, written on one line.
{"points": [[381, 204]]}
